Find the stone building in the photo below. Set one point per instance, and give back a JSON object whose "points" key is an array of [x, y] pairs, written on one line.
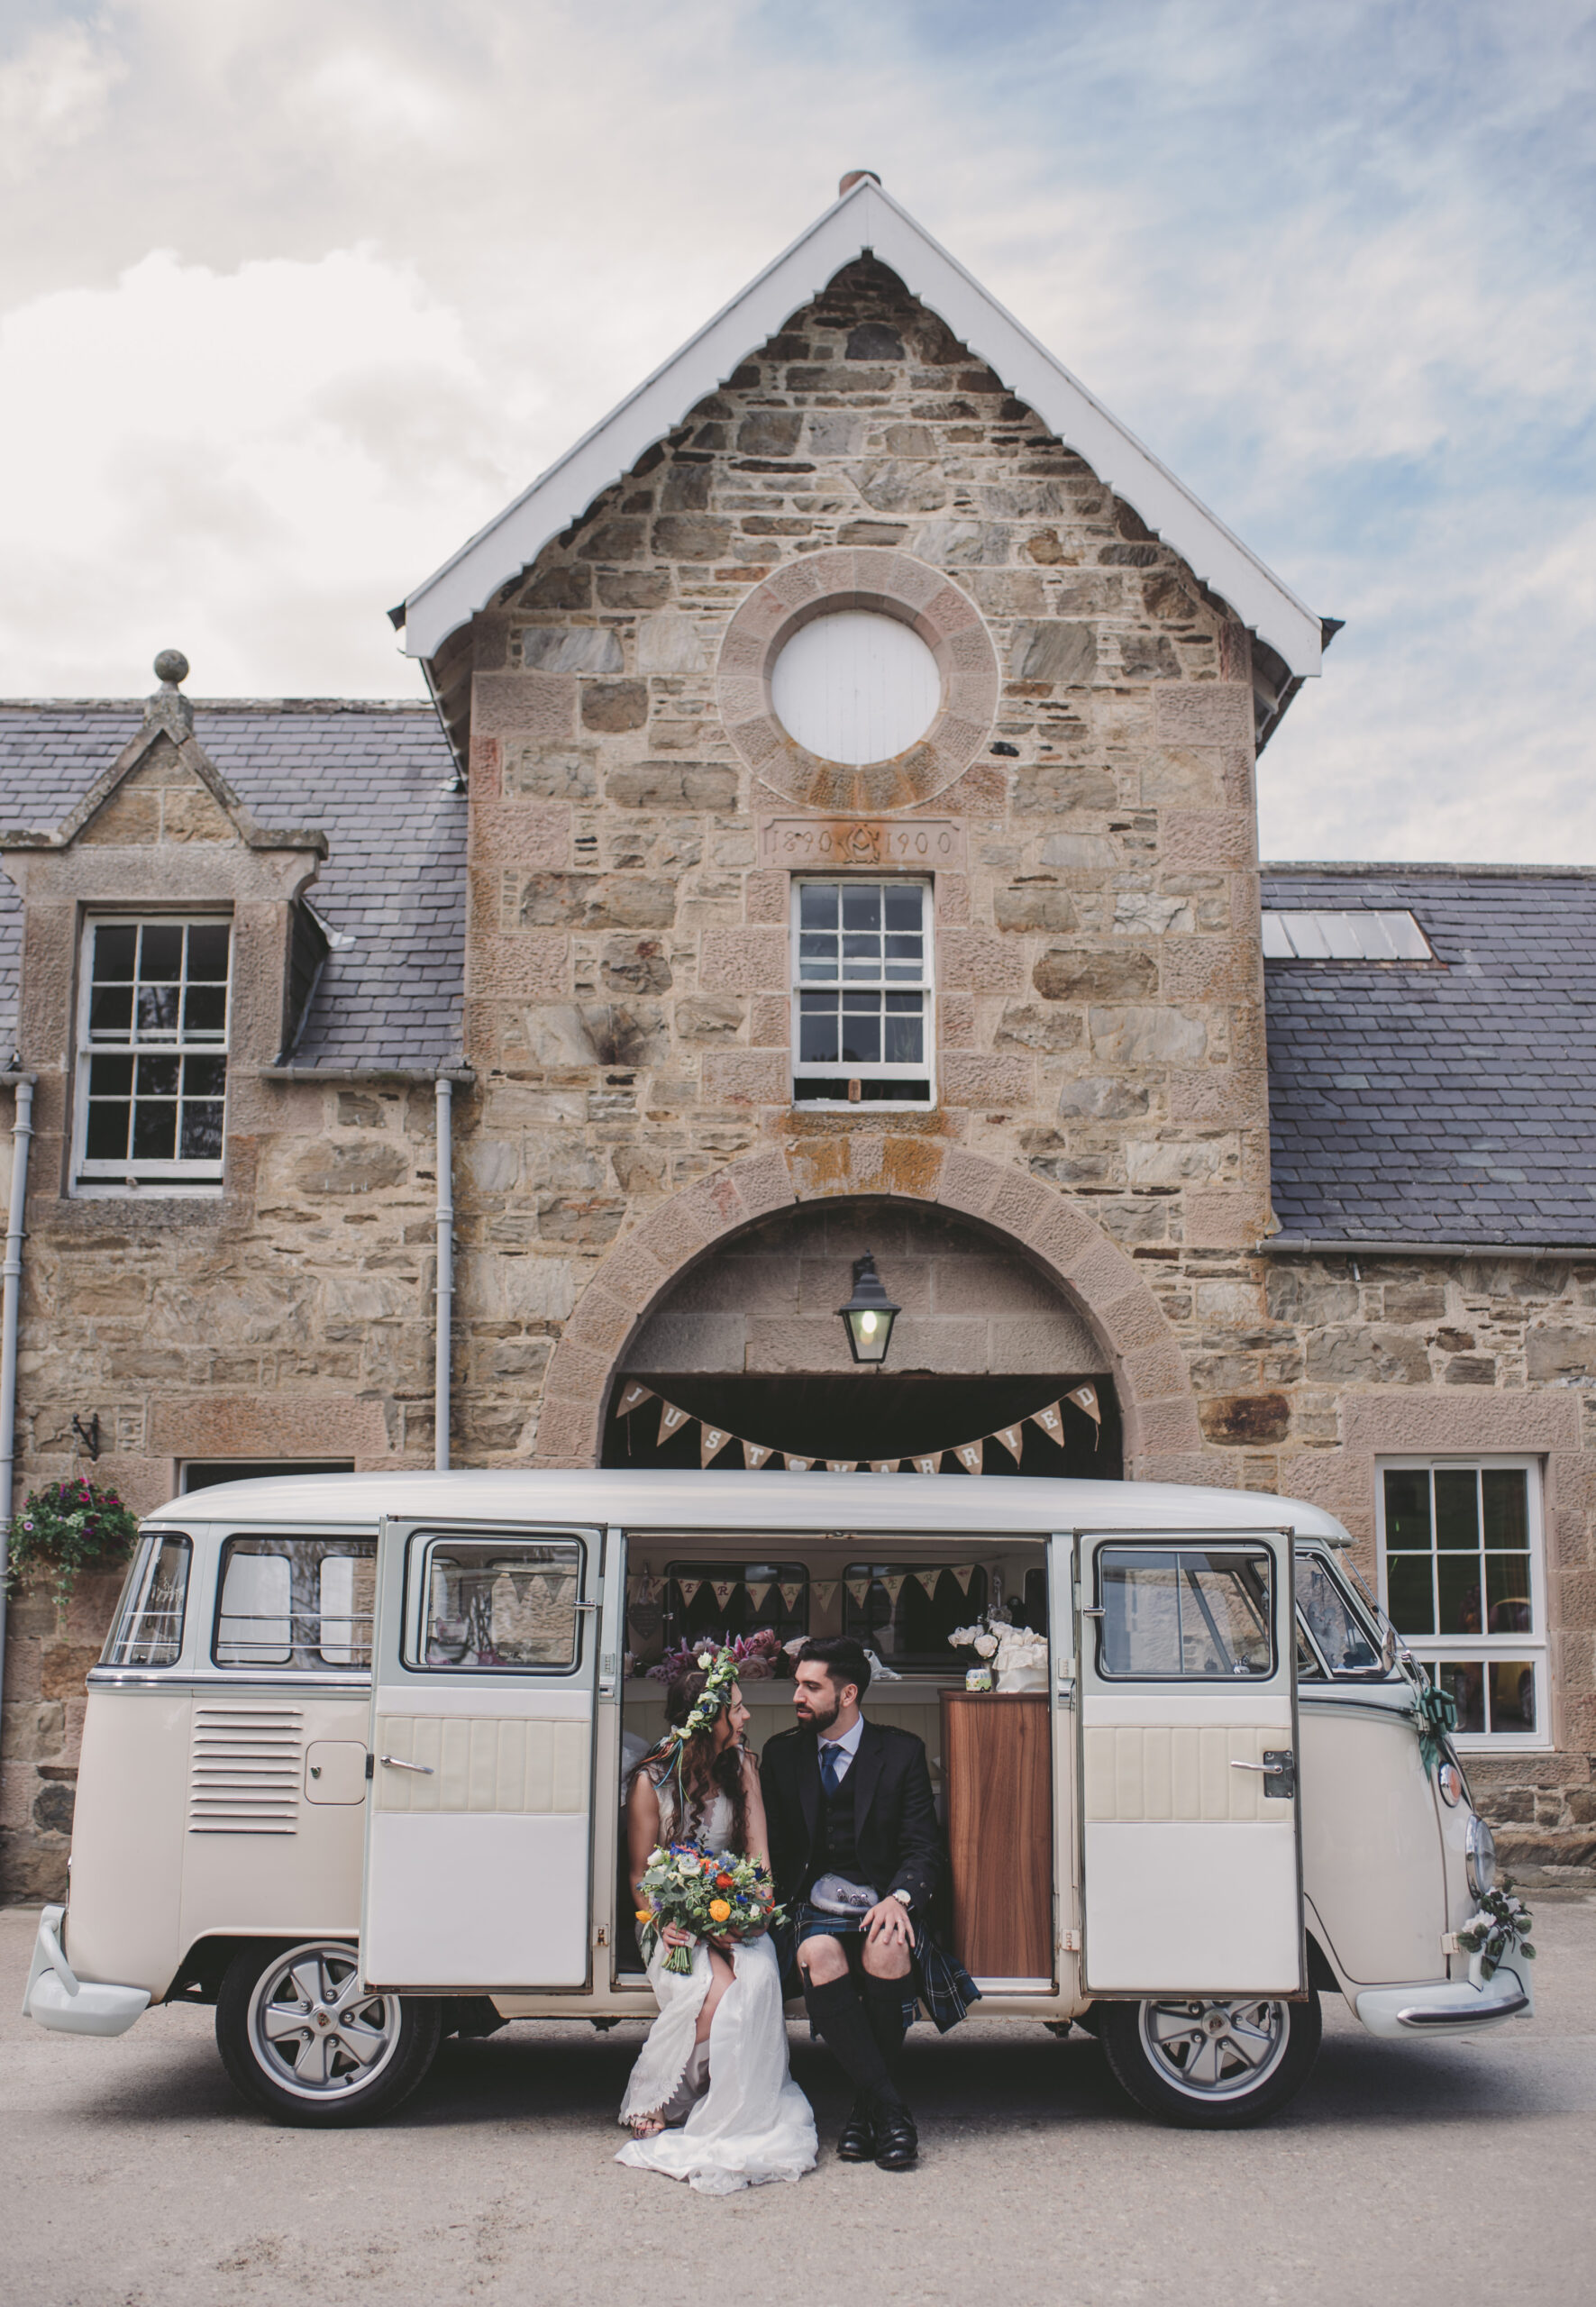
{"points": [[835, 832]]}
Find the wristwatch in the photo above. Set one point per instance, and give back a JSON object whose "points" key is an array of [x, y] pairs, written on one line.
{"points": [[903, 1898]]}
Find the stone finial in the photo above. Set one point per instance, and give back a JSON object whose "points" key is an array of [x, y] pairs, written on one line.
{"points": [[168, 706], [857, 176]]}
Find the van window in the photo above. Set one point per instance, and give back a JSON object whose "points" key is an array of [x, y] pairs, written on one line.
{"points": [[1189, 1611], [497, 1604], [147, 1627], [1341, 1637], [719, 1599], [295, 1604], [905, 1611]]}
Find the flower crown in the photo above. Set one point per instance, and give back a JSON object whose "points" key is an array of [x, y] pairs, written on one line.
{"points": [[712, 1700]]}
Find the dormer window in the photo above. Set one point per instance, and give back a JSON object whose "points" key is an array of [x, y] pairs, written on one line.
{"points": [[152, 1055]]}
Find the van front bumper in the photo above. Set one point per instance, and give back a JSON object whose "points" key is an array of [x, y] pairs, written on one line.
{"points": [[67, 2005], [1448, 2007]]}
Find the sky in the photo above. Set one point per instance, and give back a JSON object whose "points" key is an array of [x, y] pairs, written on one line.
{"points": [[294, 297]]}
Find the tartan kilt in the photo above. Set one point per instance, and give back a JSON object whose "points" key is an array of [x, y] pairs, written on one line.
{"points": [[938, 1986]]}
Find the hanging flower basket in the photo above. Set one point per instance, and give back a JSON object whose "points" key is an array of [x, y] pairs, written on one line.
{"points": [[64, 1528]]}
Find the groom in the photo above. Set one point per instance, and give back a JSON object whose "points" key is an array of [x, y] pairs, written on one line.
{"points": [[851, 1798]]}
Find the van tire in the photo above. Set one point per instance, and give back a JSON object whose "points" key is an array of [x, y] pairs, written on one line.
{"points": [[357, 2057], [1147, 2044]]}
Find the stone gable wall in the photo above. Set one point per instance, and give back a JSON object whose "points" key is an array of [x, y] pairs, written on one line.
{"points": [[1100, 987]]}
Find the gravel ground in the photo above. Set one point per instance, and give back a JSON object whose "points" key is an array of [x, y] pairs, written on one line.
{"points": [[1422, 2173]]}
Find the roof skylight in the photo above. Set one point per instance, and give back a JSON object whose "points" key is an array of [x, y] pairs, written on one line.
{"points": [[1362, 935]]}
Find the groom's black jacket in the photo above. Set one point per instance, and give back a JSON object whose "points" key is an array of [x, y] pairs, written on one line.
{"points": [[894, 1815]]}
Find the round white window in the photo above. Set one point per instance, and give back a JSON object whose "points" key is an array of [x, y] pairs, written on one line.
{"points": [[855, 686]]}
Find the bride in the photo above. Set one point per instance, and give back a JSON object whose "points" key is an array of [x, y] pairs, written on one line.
{"points": [[716, 2054]]}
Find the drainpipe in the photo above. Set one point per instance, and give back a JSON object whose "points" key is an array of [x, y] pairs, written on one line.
{"points": [[22, 1133], [445, 1261]]}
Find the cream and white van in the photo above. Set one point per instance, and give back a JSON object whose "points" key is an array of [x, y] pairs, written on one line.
{"points": [[353, 1761]]}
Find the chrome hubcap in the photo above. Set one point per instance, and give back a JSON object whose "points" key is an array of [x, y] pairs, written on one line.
{"points": [[315, 2029], [1213, 2050]]}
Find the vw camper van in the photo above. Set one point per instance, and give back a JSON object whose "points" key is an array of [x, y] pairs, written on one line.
{"points": [[355, 1756]]}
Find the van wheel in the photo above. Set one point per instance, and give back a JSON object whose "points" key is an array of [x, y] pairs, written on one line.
{"points": [[301, 2036], [1207, 2064]]}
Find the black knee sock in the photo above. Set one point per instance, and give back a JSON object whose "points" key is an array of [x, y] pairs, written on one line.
{"points": [[843, 2023], [883, 2006]]}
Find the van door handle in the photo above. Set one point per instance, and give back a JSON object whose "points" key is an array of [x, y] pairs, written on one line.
{"points": [[1279, 1767], [1093, 1611], [394, 1762]]}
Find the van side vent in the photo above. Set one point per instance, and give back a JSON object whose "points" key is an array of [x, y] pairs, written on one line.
{"points": [[245, 1771]]}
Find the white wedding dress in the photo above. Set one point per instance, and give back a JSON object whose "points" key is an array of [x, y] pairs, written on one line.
{"points": [[753, 2124]]}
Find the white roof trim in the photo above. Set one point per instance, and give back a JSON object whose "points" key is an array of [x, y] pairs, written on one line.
{"points": [[865, 219]]}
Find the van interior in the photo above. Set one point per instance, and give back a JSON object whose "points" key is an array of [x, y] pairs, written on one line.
{"points": [[902, 1599]]}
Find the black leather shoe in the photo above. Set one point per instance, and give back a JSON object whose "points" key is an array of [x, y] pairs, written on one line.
{"points": [[857, 2140], [897, 2143]]}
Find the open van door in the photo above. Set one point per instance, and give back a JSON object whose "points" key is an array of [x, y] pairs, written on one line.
{"points": [[479, 1831], [1191, 1877]]}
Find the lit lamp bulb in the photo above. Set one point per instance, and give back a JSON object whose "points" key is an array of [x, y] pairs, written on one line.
{"points": [[869, 1315]]}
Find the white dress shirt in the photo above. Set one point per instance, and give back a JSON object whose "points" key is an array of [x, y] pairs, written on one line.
{"points": [[845, 1748]]}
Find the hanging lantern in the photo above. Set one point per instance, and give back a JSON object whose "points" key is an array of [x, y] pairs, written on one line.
{"points": [[869, 1314]]}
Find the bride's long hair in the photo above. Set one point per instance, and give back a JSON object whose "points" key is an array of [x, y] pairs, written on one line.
{"points": [[703, 1773]]}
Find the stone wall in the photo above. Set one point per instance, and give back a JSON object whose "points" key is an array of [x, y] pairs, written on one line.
{"points": [[1100, 987]]}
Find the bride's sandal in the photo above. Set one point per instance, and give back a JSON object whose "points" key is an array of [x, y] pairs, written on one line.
{"points": [[647, 2126]]}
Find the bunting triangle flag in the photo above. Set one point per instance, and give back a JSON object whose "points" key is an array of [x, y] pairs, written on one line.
{"points": [[963, 1572], [824, 1593], [633, 1397], [672, 1419], [791, 1595], [970, 1455], [755, 1454], [840, 1465], [859, 1588], [690, 1588], [1085, 1397], [712, 1441], [756, 1594], [883, 1465], [1009, 1436], [1051, 1420], [722, 1590], [894, 1587], [795, 1465], [929, 1465], [925, 1580]]}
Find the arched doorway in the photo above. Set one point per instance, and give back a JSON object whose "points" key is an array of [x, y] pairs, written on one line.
{"points": [[747, 1341]]}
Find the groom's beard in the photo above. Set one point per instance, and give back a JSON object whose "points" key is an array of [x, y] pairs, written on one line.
{"points": [[816, 1718]]}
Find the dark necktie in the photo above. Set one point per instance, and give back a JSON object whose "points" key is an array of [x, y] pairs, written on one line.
{"points": [[831, 1764]]}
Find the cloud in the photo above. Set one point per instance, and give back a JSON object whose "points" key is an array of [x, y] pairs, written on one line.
{"points": [[1335, 267], [54, 92], [245, 465]]}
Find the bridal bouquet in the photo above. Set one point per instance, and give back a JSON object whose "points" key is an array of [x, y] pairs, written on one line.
{"points": [[713, 1894]]}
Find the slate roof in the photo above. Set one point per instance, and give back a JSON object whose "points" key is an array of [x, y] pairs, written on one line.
{"points": [[1441, 1104], [370, 776]]}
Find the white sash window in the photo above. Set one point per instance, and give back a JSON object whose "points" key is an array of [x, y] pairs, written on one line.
{"points": [[151, 1086], [1462, 1578], [861, 1002]]}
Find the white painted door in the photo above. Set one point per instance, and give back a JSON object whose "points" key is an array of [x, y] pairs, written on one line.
{"points": [[1191, 1876], [478, 1833]]}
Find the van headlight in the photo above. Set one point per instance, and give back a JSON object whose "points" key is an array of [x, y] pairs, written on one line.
{"points": [[1478, 1856]]}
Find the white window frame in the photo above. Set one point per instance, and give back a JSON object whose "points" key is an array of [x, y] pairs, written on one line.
{"points": [[101, 1180], [1483, 1649], [925, 985]]}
